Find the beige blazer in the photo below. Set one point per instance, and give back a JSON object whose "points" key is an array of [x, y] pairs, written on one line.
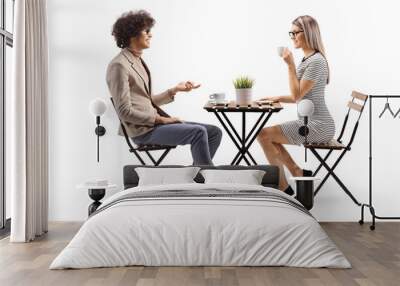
{"points": [[134, 103]]}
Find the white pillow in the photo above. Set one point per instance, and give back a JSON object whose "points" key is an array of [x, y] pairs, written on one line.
{"points": [[248, 177], [166, 176]]}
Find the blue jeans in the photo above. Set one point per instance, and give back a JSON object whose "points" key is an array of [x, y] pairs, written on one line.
{"points": [[203, 138]]}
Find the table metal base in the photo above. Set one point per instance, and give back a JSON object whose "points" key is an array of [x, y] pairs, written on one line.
{"points": [[242, 141]]}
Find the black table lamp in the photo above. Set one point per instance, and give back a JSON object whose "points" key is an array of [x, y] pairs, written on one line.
{"points": [[97, 107]]}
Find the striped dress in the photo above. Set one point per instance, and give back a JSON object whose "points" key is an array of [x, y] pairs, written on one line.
{"points": [[321, 124]]}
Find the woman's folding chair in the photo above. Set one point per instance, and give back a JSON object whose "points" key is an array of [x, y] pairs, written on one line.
{"points": [[338, 145], [144, 148]]}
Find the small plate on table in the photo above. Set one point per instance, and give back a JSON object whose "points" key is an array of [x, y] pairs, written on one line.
{"points": [[264, 102], [220, 103]]}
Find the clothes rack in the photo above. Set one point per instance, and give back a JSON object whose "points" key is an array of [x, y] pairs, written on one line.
{"points": [[370, 204]]}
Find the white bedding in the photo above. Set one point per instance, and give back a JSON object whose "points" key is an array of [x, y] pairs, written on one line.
{"points": [[225, 231]]}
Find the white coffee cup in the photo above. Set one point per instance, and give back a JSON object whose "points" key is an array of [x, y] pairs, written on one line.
{"points": [[280, 50], [218, 97]]}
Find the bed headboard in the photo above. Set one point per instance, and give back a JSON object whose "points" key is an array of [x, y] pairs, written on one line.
{"points": [[270, 179]]}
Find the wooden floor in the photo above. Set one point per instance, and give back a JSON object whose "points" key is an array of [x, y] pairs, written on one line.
{"points": [[374, 255]]}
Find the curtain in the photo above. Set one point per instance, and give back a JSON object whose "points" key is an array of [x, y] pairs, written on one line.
{"points": [[28, 123]]}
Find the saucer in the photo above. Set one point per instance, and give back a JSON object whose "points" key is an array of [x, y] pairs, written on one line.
{"points": [[223, 102]]}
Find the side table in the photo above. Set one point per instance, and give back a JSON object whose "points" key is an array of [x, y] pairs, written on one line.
{"points": [[96, 193], [305, 190]]}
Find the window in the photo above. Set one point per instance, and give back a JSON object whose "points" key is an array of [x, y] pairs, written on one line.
{"points": [[6, 44], [9, 11]]}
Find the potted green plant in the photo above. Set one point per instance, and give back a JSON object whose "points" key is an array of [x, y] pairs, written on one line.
{"points": [[243, 86]]}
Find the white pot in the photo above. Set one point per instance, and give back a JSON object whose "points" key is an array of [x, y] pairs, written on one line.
{"points": [[243, 95]]}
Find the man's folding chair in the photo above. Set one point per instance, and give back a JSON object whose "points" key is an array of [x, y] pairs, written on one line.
{"points": [[338, 145], [144, 148]]}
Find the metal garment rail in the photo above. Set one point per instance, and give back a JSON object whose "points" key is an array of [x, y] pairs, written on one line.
{"points": [[370, 205]]}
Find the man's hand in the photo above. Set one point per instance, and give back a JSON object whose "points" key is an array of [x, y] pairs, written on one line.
{"points": [[167, 120], [186, 86]]}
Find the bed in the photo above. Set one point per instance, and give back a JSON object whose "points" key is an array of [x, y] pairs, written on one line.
{"points": [[201, 224]]}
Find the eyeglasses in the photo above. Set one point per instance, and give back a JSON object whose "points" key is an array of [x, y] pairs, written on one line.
{"points": [[293, 34]]}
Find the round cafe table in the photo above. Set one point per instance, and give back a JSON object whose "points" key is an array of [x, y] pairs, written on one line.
{"points": [[243, 140]]}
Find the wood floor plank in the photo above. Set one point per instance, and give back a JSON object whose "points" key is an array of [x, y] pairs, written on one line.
{"points": [[374, 255]]}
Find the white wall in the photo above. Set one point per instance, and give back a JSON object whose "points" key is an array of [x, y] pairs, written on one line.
{"points": [[212, 42]]}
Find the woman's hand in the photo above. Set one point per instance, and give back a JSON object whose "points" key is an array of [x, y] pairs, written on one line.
{"points": [[271, 98], [280, 99], [185, 86], [288, 57]]}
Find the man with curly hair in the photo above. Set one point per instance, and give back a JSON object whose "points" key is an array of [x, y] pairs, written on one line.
{"points": [[129, 82]]}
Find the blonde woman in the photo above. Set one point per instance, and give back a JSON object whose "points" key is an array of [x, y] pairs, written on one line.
{"points": [[307, 81]]}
